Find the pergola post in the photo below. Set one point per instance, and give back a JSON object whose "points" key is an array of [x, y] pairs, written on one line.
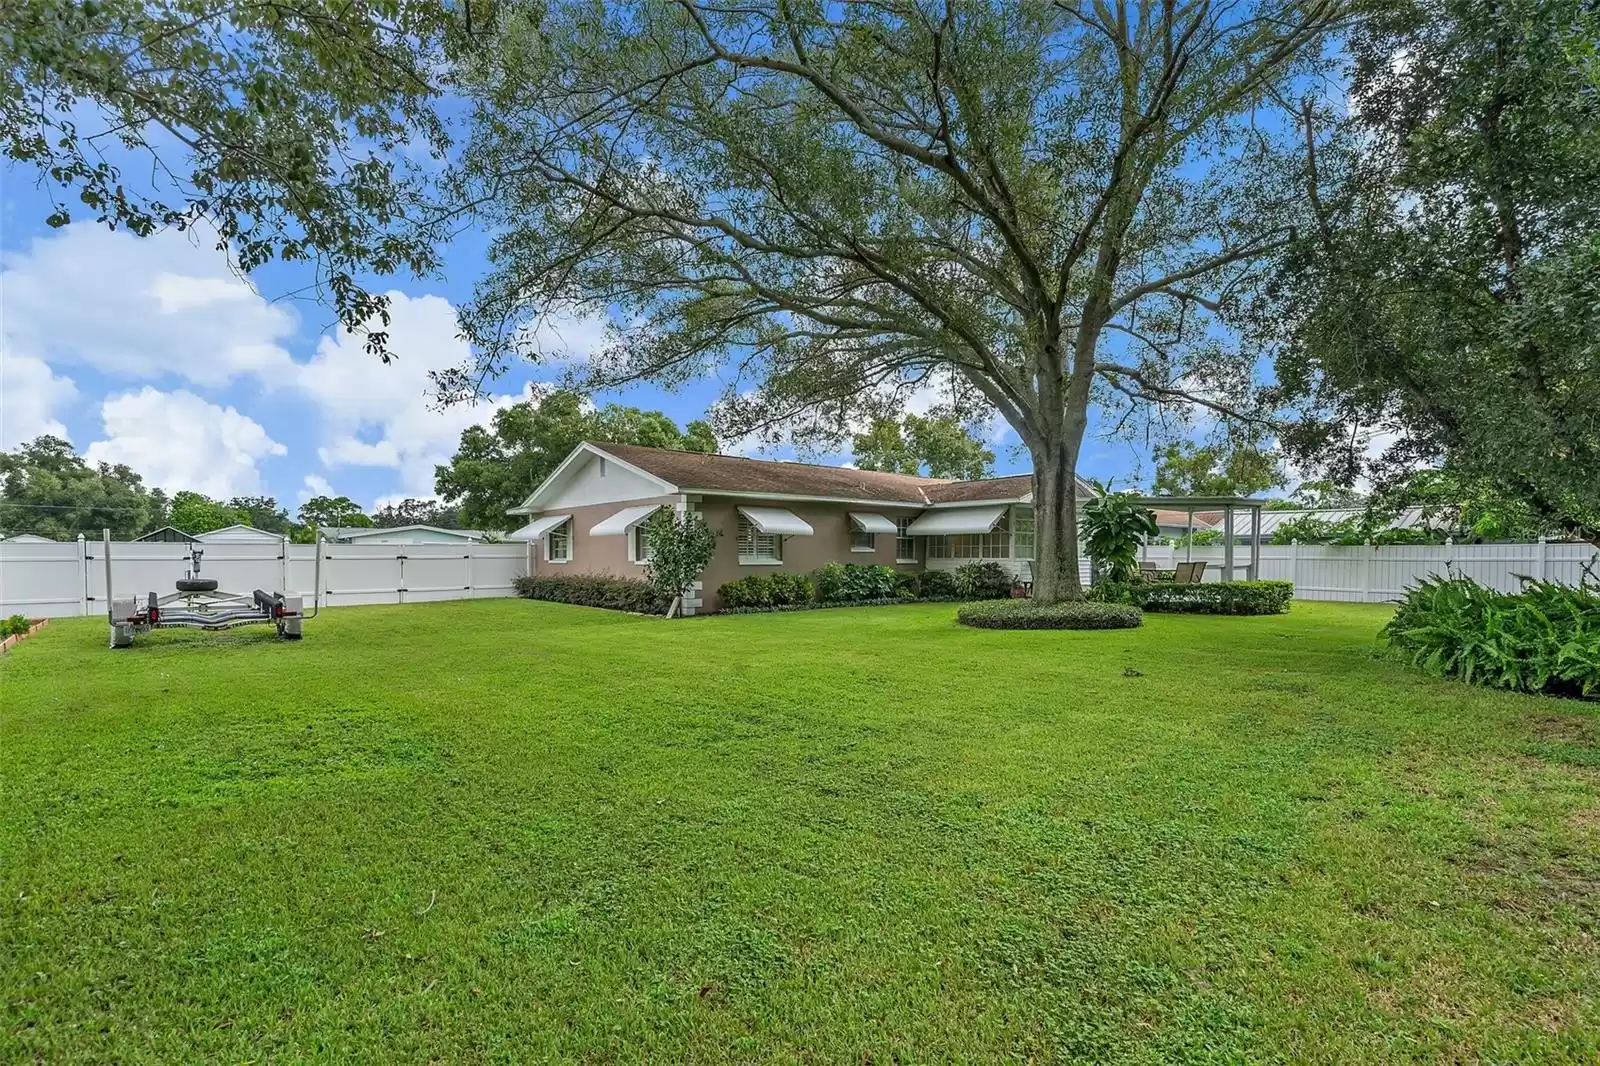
{"points": [[1227, 542], [1188, 542], [1255, 543]]}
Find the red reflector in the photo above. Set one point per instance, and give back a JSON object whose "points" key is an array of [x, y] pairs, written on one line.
{"points": [[155, 614], [277, 610]]}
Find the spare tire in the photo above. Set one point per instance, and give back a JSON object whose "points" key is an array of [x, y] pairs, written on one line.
{"points": [[197, 584]]}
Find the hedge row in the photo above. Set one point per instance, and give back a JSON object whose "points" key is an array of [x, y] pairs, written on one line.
{"points": [[845, 584], [1214, 597], [817, 605], [612, 593], [1029, 614]]}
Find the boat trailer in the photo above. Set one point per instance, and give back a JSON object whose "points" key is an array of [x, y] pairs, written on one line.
{"points": [[198, 604]]}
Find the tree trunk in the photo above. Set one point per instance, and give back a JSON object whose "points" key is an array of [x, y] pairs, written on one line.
{"points": [[1055, 518]]}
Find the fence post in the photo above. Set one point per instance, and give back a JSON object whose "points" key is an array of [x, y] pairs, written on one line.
{"points": [[283, 565], [1294, 561], [83, 576], [1367, 559], [1539, 555], [472, 585]]}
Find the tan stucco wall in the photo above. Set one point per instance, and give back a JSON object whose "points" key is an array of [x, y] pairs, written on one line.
{"points": [[590, 554], [801, 555]]}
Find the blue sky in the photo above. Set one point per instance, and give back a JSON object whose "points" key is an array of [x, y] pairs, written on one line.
{"points": [[154, 352]]}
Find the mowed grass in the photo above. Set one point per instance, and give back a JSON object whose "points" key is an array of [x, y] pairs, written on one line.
{"points": [[511, 831]]}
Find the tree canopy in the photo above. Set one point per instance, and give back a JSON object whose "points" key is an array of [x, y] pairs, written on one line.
{"points": [[1449, 295], [1184, 468], [830, 204], [195, 512], [328, 511], [935, 445], [47, 489], [287, 126], [410, 512], [497, 466]]}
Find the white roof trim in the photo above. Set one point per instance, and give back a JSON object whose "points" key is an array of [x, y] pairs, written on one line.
{"points": [[531, 504], [964, 520], [538, 527], [778, 521], [868, 522], [373, 531], [619, 524]]}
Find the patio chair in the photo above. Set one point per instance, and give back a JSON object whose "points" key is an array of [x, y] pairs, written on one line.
{"points": [[1025, 576], [1149, 572], [1189, 573]]}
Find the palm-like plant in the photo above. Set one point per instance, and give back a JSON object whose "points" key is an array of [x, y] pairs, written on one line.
{"points": [[1114, 526]]}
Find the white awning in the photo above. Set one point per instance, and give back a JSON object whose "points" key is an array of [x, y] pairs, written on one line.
{"points": [[872, 523], [538, 527], [957, 520], [619, 524], [777, 520]]}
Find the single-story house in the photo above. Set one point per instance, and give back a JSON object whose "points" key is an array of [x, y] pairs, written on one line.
{"points": [[588, 514], [412, 534], [239, 534], [166, 535], [26, 538]]}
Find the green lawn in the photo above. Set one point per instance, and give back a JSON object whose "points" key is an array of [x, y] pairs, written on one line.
{"points": [[511, 831]]}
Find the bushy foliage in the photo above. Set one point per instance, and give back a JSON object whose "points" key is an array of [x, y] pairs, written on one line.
{"points": [[612, 593], [1114, 528], [1030, 614], [936, 585], [681, 547], [767, 591], [1214, 597], [1544, 639], [847, 582], [14, 626], [981, 581]]}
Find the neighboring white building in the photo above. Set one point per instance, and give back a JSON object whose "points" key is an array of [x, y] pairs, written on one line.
{"points": [[239, 534], [28, 538], [412, 534]]}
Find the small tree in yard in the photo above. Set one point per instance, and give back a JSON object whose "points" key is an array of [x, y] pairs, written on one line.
{"points": [[1112, 529], [680, 548]]}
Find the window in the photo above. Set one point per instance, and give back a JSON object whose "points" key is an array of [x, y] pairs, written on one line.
{"points": [[1022, 532], [641, 542], [558, 543], [905, 545], [995, 544], [756, 546], [861, 541]]}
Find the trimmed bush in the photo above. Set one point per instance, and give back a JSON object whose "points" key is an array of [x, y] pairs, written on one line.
{"points": [[1029, 614], [982, 581], [1544, 639], [767, 590], [936, 585], [612, 593], [1213, 597], [14, 626], [848, 582]]}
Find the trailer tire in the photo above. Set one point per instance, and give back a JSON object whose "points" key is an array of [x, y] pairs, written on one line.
{"points": [[197, 584]]}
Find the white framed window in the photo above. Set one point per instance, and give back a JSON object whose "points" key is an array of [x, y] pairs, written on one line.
{"points": [[639, 543], [862, 541], [905, 545], [995, 544], [756, 547], [1022, 532], [558, 543]]}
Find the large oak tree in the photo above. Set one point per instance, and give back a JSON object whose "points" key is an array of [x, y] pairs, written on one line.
{"points": [[828, 204]]}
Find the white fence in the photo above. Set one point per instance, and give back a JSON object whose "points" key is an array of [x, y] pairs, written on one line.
{"points": [[1363, 574], [56, 580]]}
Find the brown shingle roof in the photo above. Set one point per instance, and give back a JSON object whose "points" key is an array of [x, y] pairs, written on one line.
{"points": [[736, 473]]}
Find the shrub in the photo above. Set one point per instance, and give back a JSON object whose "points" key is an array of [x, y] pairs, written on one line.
{"points": [[1030, 614], [845, 582], [1544, 639], [612, 593], [981, 581], [767, 590], [681, 547], [14, 626], [1114, 527], [936, 585], [1213, 597]]}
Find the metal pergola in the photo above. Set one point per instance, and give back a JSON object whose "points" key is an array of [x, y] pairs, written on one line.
{"points": [[1229, 506]]}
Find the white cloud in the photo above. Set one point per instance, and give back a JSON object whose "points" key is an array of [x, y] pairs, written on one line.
{"points": [[179, 441], [140, 308], [30, 396], [376, 414], [315, 485]]}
